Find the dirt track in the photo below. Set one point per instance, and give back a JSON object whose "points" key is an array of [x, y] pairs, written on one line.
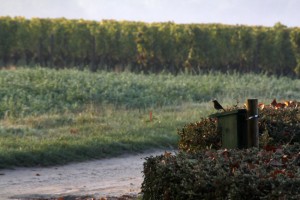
{"points": [[106, 177]]}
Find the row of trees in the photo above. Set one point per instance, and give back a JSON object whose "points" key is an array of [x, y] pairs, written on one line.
{"points": [[154, 47]]}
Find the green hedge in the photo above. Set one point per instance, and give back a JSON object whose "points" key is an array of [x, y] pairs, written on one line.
{"points": [[149, 47], [224, 174], [202, 170], [277, 126]]}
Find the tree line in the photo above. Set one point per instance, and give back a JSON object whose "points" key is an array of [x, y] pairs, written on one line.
{"points": [[149, 47]]}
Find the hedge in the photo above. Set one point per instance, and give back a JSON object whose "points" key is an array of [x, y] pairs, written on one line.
{"points": [[203, 170], [224, 174], [277, 126]]}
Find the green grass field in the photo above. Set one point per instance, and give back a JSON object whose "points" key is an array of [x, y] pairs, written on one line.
{"points": [[50, 117]]}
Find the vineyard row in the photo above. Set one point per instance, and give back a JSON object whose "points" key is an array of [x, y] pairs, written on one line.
{"points": [[149, 47]]}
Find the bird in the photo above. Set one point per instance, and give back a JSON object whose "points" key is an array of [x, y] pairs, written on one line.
{"points": [[217, 105]]}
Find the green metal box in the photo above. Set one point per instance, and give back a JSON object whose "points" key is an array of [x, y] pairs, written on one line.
{"points": [[233, 126]]}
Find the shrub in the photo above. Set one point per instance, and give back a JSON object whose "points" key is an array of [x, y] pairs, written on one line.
{"points": [[280, 125], [200, 135], [202, 170], [224, 174], [277, 126]]}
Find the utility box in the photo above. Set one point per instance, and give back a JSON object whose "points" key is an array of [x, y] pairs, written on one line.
{"points": [[233, 126]]}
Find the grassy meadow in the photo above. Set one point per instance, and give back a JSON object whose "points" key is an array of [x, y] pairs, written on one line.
{"points": [[50, 117]]}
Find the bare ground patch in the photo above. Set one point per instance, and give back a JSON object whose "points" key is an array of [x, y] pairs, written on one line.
{"points": [[115, 177]]}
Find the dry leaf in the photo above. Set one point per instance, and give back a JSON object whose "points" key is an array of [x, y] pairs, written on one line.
{"points": [[274, 103]]}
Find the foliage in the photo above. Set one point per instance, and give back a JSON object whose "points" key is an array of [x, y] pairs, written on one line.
{"points": [[57, 116], [148, 47], [295, 41], [199, 135], [36, 91], [279, 124], [202, 172], [224, 174]]}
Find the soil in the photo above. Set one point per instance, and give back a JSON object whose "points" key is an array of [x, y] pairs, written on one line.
{"points": [[100, 178]]}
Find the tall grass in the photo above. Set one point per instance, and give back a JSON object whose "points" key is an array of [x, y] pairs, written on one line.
{"points": [[38, 91], [53, 117]]}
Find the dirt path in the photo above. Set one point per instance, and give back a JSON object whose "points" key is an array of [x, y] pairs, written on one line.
{"points": [[106, 177]]}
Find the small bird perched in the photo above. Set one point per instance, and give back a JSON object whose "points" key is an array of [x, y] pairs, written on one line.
{"points": [[217, 105]]}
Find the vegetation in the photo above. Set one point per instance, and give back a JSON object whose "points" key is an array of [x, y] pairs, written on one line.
{"points": [[155, 47], [59, 115], [224, 174], [95, 132], [203, 170], [39, 91], [56, 116], [279, 124]]}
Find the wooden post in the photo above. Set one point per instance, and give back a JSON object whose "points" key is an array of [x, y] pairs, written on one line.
{"points": [[252, 127]]}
